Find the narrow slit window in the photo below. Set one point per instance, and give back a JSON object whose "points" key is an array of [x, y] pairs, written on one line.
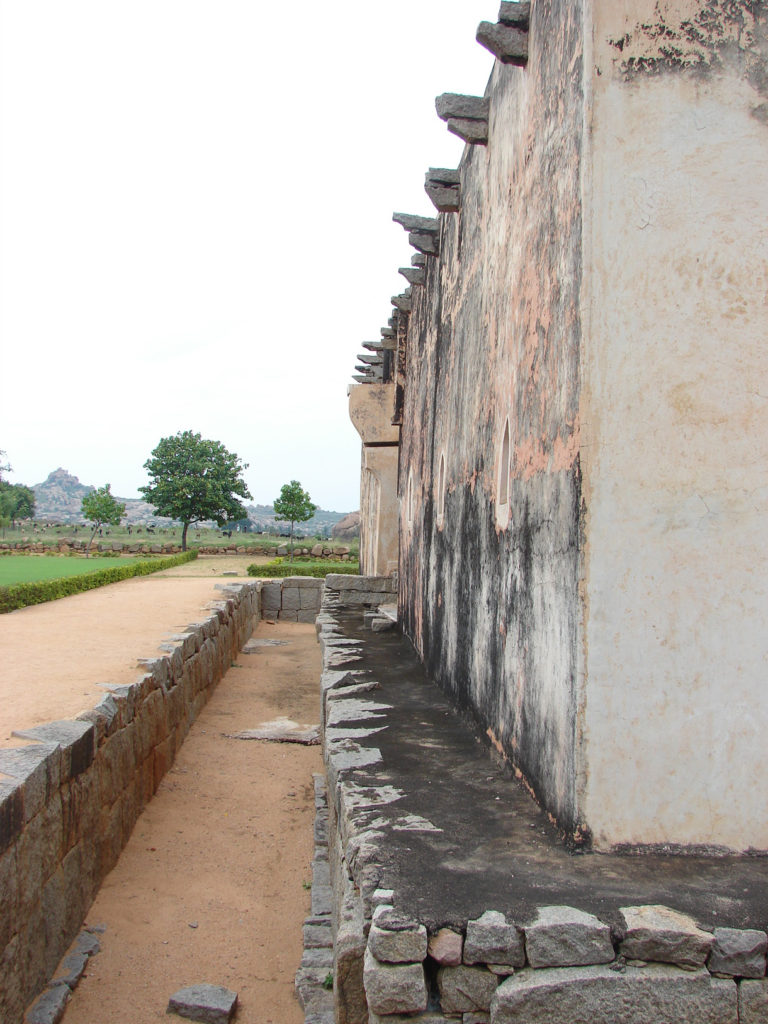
{"points": [[502, 489], [441, 491]]}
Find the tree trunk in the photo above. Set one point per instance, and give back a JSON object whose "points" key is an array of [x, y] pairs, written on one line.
{"points": [[184, 537], [88, 549], [291, 559]]}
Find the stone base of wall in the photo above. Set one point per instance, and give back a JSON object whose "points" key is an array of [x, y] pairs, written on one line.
{"points": [[292, 599], [69, 801], [453, 899]]}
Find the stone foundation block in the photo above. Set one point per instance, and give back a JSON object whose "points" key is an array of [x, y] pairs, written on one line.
{"points": [[491, 940], [599, 995], [291, 599], [753, 1002], [567, 937], [664, 935], [394, 988], [394, 939], [309, 598], [270, 597], [465, 989], [738, 952]]}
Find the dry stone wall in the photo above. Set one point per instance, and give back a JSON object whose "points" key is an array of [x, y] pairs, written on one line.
{"points": [[69, 801]]}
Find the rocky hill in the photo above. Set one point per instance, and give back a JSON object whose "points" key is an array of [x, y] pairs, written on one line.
{"points": [[58, 499]]}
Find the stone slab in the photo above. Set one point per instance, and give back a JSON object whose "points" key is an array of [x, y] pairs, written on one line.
{"points": [[446, 947], [660, 934], [50, 1007], [75, 738], [394, 988], [465, 989], [70, 970], [492, 940], [394, 941], [599, 995], [209, 1004], [738, 952], [567, 937]]}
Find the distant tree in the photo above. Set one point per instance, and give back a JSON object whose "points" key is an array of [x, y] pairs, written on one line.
{"points": [[193, 480], [102, 509], [16, 502], [293, 506]]}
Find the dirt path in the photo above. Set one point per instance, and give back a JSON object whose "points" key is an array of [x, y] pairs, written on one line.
{"points": [[56, 654], [210, 887]]}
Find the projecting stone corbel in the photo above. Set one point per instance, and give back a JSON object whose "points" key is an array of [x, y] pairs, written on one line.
{"points": [[370, 360], [516, 14], [403, 301], [373, 346], [426, 244], [507, 44], [361, 379], [422, 232], [466, 116], [387, 332], [442, 186], [413, 223], [413, 275], [418, 260]]}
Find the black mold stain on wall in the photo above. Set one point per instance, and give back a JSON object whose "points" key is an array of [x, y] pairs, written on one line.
{"points": [[494, 334], [718, 34]]}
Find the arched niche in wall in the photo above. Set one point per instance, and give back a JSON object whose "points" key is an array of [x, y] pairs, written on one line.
{"points": [[440, 493], [502, 478]]}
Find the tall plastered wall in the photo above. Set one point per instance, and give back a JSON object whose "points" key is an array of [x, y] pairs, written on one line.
{"points": [[674, 425], [491, 601], [597, 319]]}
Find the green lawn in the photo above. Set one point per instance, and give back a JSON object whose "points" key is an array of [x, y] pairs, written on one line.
{"points": [[32, 568]]}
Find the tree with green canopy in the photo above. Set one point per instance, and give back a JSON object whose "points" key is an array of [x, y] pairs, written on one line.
{"points": [[101, 508], [16, 500], [193, 480], [293, 506]]}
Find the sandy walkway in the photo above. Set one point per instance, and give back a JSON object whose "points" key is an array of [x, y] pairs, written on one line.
{"points": [[55, 654], [211, 884]]}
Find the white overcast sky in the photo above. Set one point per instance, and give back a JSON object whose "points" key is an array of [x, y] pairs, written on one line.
{"points": [[195, 222]]}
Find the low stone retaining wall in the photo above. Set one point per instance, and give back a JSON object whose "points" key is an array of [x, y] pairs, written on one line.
{"points": [[69, 801], [429, 922], [292, 599]]}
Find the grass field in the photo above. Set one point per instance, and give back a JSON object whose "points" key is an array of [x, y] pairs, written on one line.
{"points": [[30, 569]]}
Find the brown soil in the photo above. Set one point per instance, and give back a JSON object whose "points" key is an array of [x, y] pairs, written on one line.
{"points": [[211, 886], [56, 654]]}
